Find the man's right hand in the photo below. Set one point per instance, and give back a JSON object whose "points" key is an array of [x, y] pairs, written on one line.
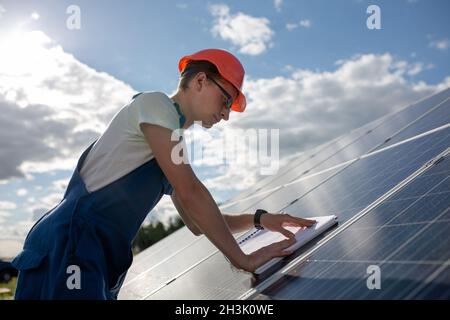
{"points": [[259, 257]]}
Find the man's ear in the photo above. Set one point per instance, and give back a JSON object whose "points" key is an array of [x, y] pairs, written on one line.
{"points": [[199, 80]]}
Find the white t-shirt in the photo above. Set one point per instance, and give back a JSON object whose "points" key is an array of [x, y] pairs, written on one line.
{"points": [[123, 147]]}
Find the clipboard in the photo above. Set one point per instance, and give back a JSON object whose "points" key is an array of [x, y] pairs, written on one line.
{"points": [[261, 238]]}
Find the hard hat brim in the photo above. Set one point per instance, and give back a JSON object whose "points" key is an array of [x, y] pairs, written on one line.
{"points": [[239, 103]]}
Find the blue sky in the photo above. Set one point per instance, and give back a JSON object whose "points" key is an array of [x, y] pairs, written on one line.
{"points": [[126, 39], [314, 59]]}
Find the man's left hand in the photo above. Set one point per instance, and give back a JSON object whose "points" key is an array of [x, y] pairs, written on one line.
{"points": [[277, 221]]}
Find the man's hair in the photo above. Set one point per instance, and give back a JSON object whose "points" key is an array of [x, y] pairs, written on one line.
{"points": [[195, 67]]}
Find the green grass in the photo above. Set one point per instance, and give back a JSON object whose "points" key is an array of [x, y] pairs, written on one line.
{"points": [[11, 285]]}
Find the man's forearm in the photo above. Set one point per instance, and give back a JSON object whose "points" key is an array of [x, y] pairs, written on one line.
{"points": [[186, 219], [236, 222], [239, 222], [202, 209]]}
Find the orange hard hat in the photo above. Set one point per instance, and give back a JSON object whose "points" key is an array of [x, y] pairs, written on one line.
{"points": [[228, 66]]}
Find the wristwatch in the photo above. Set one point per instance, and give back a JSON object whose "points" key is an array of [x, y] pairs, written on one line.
{"points": [[257, 218]]}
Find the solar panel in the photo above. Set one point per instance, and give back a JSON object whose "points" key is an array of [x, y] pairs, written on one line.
{"points": [[328, 197], [407, 236], [346, 177], [161, 268], [437, 286], [160, 251], [435, 119]]}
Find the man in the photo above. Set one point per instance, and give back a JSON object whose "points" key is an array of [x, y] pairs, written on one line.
{"points": [[81, 248]]}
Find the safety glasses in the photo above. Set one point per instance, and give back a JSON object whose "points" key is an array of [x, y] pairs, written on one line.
{"points": [[228, 100]]}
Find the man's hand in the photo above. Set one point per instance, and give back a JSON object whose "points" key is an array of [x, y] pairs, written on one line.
{"points": [[265, 254], [276, 221]]}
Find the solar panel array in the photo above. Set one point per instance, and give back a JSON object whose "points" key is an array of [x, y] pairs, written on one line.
{"points": [[389, 184]]}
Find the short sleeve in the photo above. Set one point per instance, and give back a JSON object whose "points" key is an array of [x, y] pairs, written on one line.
{"points": [[155, 108]]}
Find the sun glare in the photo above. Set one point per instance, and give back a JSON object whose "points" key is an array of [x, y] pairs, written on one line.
{"points": [[21, 52], [26, 59]]}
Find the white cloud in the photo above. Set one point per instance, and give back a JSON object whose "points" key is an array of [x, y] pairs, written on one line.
{"points": [[418, 67], [233, 172], [441, 44], [37, 207], [278, 4], [7, 205], [288, 68], [22, 192], [291, 26], [3, 215], [16, 232], [305, 23], [60, 185], [251, 35], [163, 212], [52, 105]]}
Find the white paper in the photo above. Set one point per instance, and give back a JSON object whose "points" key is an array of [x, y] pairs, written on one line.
{"points": [[261, 238]]}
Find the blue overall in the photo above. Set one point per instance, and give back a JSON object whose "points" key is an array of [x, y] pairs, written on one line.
{"points": [[92, 231]]}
